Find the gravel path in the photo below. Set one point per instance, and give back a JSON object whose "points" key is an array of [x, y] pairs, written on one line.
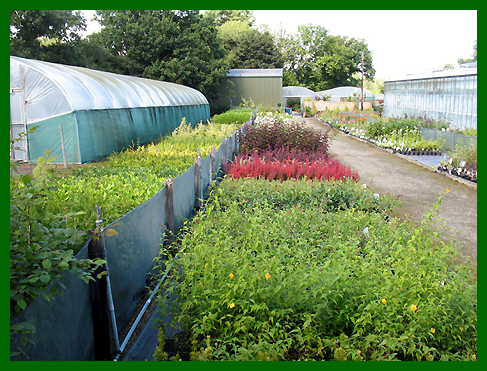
{"points": [[417, 185]]}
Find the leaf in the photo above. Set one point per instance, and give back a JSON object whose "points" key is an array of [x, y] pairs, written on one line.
{"points": [[110, 232], [47, 264], [26, 179], [41, 161], [22, 304], [45, 278]]}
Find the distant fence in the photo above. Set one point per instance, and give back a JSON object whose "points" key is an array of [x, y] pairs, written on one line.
{"points": [[64, 330], [325, 105]]}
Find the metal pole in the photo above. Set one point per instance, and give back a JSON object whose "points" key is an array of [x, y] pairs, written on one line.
{"points": [[362, 82]]}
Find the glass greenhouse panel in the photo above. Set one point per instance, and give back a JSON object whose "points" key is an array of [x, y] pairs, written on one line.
{"points": [[100, 112], [449, 95]]}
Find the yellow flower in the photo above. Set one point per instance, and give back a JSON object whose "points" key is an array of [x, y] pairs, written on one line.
{"points": [[231, 275], [384, 301], [413, 307], [267, 276], [201, 283], [433, 330], [447, 191], [232, 305]]}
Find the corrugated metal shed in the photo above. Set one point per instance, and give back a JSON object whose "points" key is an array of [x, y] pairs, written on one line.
{"points": [[261, 86]]}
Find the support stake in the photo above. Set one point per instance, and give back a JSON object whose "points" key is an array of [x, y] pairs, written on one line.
{"points": [[169, 189], [197, 181], [62, 145]]}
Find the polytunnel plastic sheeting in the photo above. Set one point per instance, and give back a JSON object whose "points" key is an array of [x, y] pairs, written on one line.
{"points": [[56, 322], [53, 89], [298, 91], [131, 251], [48, 136], [345, 92], [91, 135]]}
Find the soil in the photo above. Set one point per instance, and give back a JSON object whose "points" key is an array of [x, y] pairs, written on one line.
{"points": [[417, 186]]}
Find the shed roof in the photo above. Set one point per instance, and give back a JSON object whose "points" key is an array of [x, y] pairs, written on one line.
{"points": [[255, 72], [298, 91], [53, 89]]}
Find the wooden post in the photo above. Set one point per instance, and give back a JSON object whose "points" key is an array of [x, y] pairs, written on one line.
{"points": [[169, 189], [62, 145], [224, 152], [212, 165], [197, 181], [99, 301]]}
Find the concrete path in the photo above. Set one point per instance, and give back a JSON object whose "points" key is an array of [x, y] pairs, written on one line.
{"points": [[416, 185]]}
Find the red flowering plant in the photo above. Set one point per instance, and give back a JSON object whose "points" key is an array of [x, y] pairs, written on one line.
{"points": [[285, 164]]}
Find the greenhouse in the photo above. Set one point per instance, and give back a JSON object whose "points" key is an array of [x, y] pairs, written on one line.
{"points": [[342, 93], [299, 92], [443, 95], [84, 115]]}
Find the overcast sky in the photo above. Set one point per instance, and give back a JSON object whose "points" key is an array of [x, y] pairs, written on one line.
{"points": [[401, 41]]}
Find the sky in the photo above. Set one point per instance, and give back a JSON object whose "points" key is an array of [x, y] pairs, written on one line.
{"points": [[401, 41]]}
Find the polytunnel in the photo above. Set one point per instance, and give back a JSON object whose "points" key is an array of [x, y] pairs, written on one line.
{"points": [[83, 115], [343, 92]]}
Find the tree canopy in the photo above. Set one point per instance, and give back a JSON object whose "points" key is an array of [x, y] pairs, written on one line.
{"points": [[247, 47], [222, 16], [321, 61], [188, 48]]}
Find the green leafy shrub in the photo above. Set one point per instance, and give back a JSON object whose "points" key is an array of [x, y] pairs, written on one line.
{"points": [[237, 116], [269, 279], [42, 248]]}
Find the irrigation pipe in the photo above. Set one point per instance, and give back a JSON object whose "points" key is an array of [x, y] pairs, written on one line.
{"points": [[142, 311]]}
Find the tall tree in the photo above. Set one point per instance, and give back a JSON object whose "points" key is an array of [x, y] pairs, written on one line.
{"points": [[223, 16], [321, 61], [34, 32], [175, 46], [247, 47]]}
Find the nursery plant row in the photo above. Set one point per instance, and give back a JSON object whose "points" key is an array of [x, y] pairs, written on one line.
{"points": [[128, 178], [50, 213], [403, 136], [281, 266]]}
